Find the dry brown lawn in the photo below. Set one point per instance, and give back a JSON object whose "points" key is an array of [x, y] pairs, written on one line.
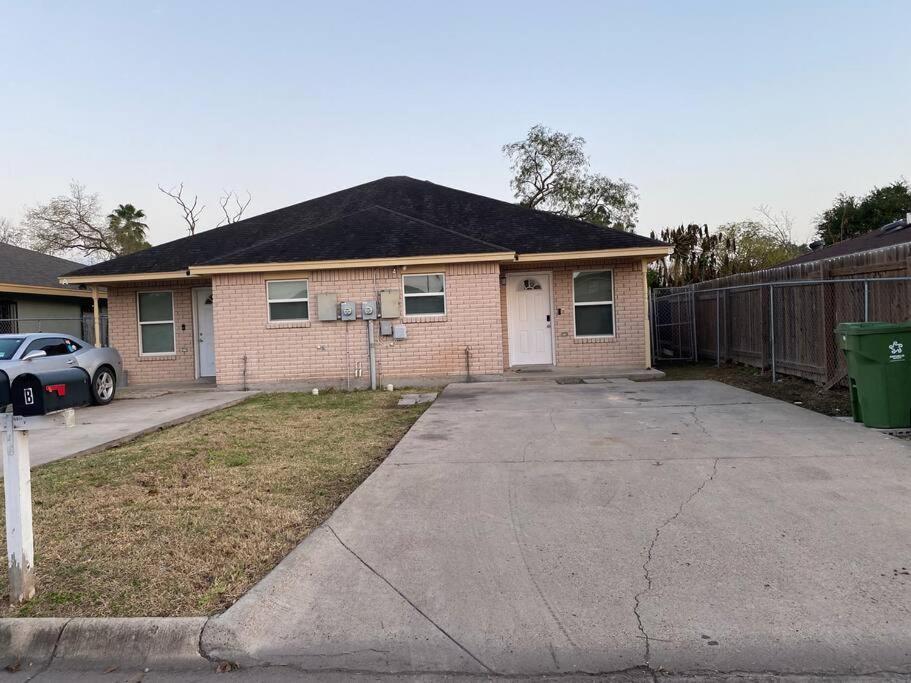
{"points": [[184, 521]]}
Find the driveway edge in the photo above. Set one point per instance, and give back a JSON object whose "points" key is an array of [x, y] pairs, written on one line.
{"points": [[85, 643]]}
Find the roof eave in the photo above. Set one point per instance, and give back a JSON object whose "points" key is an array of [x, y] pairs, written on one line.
{"points": [[41, 290], [499, 256], [122, 277], [654, 252]]}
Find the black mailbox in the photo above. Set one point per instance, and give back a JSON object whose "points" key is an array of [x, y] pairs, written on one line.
{"points": [[46, 392], [4, 391]]}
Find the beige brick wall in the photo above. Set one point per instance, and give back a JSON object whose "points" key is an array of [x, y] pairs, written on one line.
{"points": [[323, 351], [124, 333], [629, 345]]}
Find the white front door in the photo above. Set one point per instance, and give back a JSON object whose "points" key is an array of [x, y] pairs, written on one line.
{"points": [[529, 323], [205, 331]]}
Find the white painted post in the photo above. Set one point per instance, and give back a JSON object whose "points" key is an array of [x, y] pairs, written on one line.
{"points": [[96, 317], [17, 483]]}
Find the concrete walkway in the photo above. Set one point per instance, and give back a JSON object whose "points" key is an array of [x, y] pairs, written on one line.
{"points": [[536, 528], [100, 427]]}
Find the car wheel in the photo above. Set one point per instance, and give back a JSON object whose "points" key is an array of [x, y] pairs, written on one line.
{"points": [[104, 385]]}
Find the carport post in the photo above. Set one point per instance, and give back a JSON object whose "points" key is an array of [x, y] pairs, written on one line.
{"points": [[17, 484], [772, 329], [96, 316]]}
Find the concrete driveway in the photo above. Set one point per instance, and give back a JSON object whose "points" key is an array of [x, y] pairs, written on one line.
{"points": [[101, 427], [536, 528]]}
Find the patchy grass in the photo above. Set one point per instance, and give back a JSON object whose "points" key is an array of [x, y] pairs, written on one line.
{"points": [[835, 401], [184, 521]]}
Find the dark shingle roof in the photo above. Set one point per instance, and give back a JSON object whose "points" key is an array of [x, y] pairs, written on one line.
{"points": [[899, 233], [389, 217], [20, 266]]}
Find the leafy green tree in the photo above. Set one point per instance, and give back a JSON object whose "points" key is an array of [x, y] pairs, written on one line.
{"points": [[551, 173], [127, 228], [756, 247], [850, 216]]}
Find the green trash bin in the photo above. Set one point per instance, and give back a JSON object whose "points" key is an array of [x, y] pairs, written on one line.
{"points": [[879, 372]]}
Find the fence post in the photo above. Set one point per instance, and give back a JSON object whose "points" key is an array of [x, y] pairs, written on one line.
{"points": [[866, 301], [695, 335], [772, 329], [718, 328]]}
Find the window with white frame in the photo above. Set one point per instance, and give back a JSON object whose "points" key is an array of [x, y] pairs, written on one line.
{"points": [[156, 323], [593, 303], [288, 300], [425, 294]]}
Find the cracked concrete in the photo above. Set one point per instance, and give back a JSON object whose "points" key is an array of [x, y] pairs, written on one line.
{"points": [[651, 551], [539, 529]]}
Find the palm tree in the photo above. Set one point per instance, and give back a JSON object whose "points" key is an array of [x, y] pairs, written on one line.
{"points": [[127, 229]]}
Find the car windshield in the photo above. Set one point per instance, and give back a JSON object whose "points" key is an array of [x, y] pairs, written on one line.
{"points": [[8, 346]]}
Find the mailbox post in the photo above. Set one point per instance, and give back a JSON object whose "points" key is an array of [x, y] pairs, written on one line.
{"points": [[39, 402], [17, 484]]}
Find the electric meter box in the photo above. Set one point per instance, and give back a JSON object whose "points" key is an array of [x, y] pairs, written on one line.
{"points": [[327, 306], [368, 310], [347, 311], [389, 303]]}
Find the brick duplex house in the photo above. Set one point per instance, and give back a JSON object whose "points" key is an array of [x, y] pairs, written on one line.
{"points": [[461, 283]]}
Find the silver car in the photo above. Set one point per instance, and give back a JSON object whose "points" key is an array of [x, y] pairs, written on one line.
{"points": [[34, 353]]}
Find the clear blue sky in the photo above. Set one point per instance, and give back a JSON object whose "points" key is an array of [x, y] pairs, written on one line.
{"points": [[711, 108]]}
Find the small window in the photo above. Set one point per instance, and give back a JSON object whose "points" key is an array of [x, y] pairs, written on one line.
{"points": [[593, 303], [52, 346], [288, 300], [156, 323], [425, 294]]}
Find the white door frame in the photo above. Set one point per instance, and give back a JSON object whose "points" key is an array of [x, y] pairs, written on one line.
{"points": [[194, 296], [547, 275]]}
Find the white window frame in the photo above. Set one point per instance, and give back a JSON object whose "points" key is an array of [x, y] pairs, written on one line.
{"points": [[406, 296], [613, 307], [140, 323], [269, 302]]}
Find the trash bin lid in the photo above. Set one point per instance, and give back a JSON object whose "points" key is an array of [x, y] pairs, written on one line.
{"points": [[873, 328]]}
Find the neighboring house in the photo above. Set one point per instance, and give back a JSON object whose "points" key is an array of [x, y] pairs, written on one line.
{"points": [[895, 233], [474, 284], [33, 300]]}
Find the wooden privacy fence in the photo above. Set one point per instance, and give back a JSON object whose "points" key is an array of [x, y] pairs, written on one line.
{"points": [[784, 318]]}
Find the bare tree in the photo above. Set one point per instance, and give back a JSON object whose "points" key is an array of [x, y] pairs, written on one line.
{"points": [[236, 213], [778, 226], [11, 234], [71, 224], [191, 214]]}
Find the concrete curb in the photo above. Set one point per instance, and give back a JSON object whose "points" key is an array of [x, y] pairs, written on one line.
{"points": [[158, 643]]}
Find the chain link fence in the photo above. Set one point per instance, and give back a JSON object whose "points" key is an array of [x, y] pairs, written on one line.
{"points": [[787, 327], [82, 327]]}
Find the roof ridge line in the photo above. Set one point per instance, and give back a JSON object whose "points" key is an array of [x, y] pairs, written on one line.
{"points": [[443, 228]]}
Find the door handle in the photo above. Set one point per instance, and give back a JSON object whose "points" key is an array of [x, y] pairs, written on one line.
{"points": [[71, 361]]}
